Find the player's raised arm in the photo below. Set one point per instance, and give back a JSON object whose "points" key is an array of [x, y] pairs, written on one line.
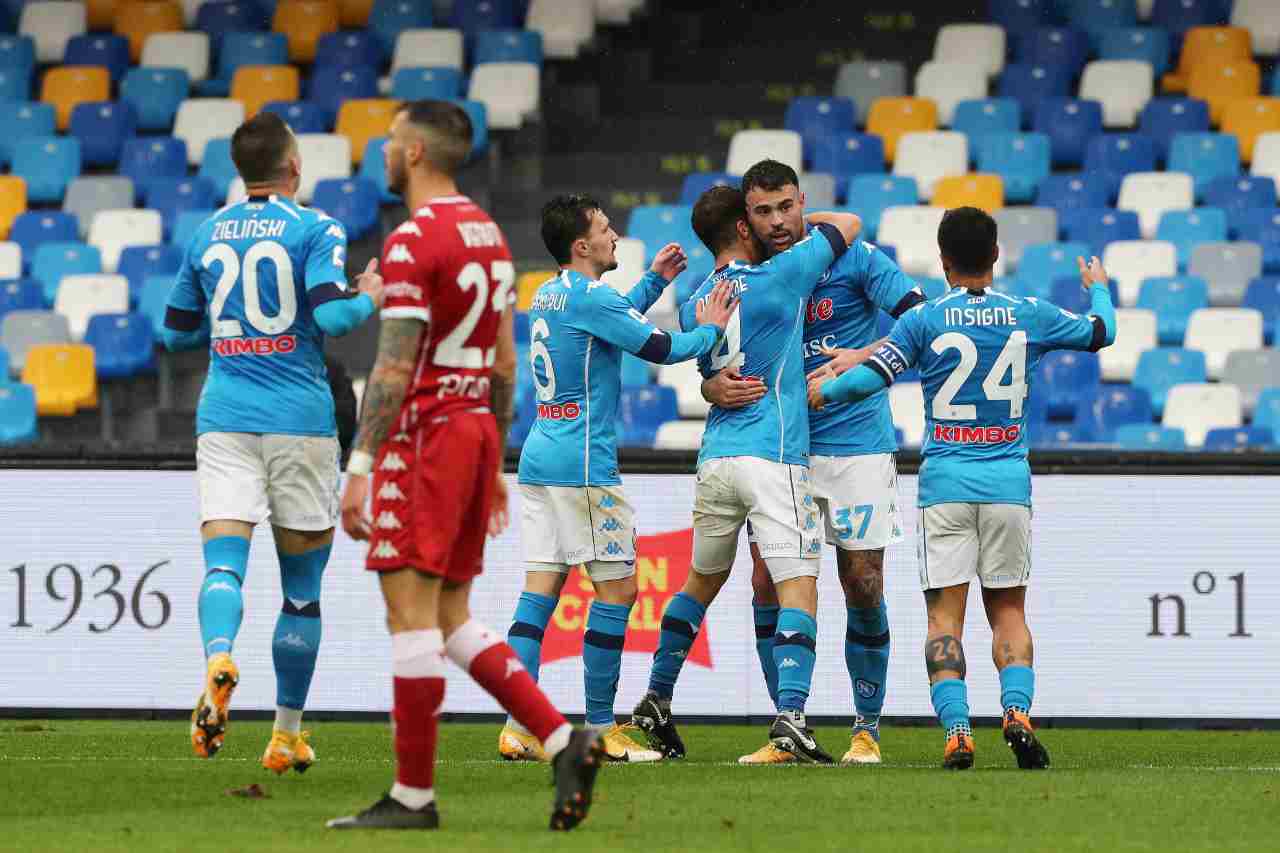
{"points": [[1058, 328], [890, 360], [336, 309], [186, 319], [801, 266], [667, 264], [610, 316], [848, 224]]}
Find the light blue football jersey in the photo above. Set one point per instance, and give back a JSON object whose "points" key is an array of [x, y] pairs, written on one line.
{"points": [[578, 329], [258, 268], [977, 354], [842, 313], [765, 338]]}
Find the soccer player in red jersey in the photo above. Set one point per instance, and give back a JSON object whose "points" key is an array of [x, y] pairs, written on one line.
{"points": [[433, 426]]}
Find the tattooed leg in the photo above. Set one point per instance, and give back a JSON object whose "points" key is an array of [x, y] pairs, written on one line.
{"points": [[1010, 637], [943, 648]]}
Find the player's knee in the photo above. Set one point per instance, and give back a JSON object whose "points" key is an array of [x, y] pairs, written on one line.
{"points": [[704, 587], [618, 591], [861, 577], [762, 589]]}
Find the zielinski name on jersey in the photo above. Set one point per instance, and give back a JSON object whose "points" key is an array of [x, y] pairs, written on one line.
{"points": [[248, 229]]}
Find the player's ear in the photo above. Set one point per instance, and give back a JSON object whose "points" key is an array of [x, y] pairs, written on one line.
{"points": [[744, 230], [995, 255]]}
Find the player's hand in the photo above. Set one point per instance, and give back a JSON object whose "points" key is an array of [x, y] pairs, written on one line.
{"points": [[499, 517], [718, 306], [669, 262], [1091, 273], [729, 389], [816, 402], [370, 283], [842, 361], [355, 496]]}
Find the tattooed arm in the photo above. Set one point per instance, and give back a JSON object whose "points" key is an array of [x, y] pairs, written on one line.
{"points": [[502, 393]]}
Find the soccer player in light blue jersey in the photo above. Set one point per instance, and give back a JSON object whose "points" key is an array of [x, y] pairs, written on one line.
{"points": [[754, 463], [573, 508], [262, 283], [976, 350], [852, 446]]}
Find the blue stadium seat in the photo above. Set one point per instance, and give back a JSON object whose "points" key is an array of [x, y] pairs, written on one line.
{"points": [[1020, 16], [659, 224], [413, 84], [156, 94], [504, 45], [1118, 154], [17, 53], [1173, 299], [47, 164], [979, 116], [102, 127], [153, 300], [1161, 368], [1030, 83], [701, 265], [1063, 48], [1205, 157], [217, 166], [22, 121], [4, 365], [1267, 411], [479, 115], [107, 50], [1098, 226], [814, 117], [1043, 262], [1186, 229], [21, 294], [1066, 377], [218, 19], [123, 345], [1066, 292], [53, 261], [174, 196], [489, 15], [1178, 16], [352, 201], [1263, 296], [1020, 159], [1145, 44], [348, 48], [1075, 191], [1238, 195], [15, 84], [1096, 17], [696, 183], [1140, 437], [1262, 226], [1070, 124], [642, 410], [302, 116], [1163, 117], [848, 153], [373, 168], [244, 48], [1112, 406], [1231, 439], [331, 85], [138, 263], [1274, 88], [144, 159], [1051, 436], [636, 372], [184, 227], [389, 18], [35, 228], [869, 195], [17, 414]]}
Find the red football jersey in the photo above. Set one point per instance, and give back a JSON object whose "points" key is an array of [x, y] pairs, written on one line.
{"points": [[449, 265]]}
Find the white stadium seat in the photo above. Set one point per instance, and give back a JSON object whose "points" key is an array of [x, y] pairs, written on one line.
{"points": [[51, 25], [906, 402], [1266, 156], [188, 51], [1123, 86], [1260, 19], [1150, 194], [236, 191], [949, 83], [202, 119], [1145, 8], [980, 43], [912, 230], [929, 156], [819, 190], [1197, 407], [1228, 268], [566, 25], [114, 230], [1218, 331], [191, 8], [510, 92], [680, 435], [1130, 261], [81, 296], [686, 379], [324, 155], [748, 147], [428, 49], [10, 261], [617, 11], [630, 255], [1135, 334]]}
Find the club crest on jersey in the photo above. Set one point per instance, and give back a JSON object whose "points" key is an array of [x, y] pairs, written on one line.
{"points": [[976, 435]]}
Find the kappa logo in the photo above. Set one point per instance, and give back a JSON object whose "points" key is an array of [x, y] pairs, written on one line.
{"points": [[219, 585], [611, 526], [294, 640], [400, 254], [401, 437], [384, 550], [409, 227], [809, 523], [614, 549], [788, 663], [393, 462], [513, 666], [607, 502], [335, 231], [390, 492], [866, 689], [388, 521]]}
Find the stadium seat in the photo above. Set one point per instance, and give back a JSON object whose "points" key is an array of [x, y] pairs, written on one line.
{"points": [[527, 285], [51, 25], [565, 25], [748, 147], [1179, 16], [102, 128], [1228, 267], [354, 13], [1020, 159], [33, 229], [109, 51], [153, 301], [977, 117], [1028, 85], [891, 118], [47, 164], [22, 330], [68, 85], [185, 226], [1164, 367], [981, 191], [10, 264], [1220, 84], [174, 196], [1263, 295], [505, 45], [353, 202], [630, 255], [202, 119], [1252, 371], [1041, 263], [1066, 292], [696, 183], [982, 44], [1258, 17], [1020, 227], [870, 195], [479, 125], [1236, 439], [1266, 156], [139, 263], [1267, 411], [1173, 299], [1128, 262], [927, 157], [1144, 437], [1099, 227], [301, 116], [81, 296], [1067, 377], [220, 19], [145, 159], [156, 94], [240, 49], [20, 294], [1145, 44], [642, 410], [1020, 16], [1122, 86], [17, 414], [1218, 331], [1117, 155], [323, 155], [347, 49], [188, 51], [845, 154], [256, 85], [657, 225], [1135, 333], [510, 92], [906, 403], [819, 190], [1074, 191], [679, 435], [112, 230], [1196, 408], [1248, 118], [1057, 436], [685, 379], [1100, 414], [438, 48], [217, 166], [1150, 194], [413, 84], [1262, 226], [52, 262], [1207, 46], [365, 119], [373, 168], [1185, 229], [1062, 48], [1069, 124], [1097, 17], [390, 18], [1163, 118], [140, 19], [330, 87], [1205, 156], [304, 22], [867, 81], [913, 233], [816, 118], [123, 344], [22, 120], [18, 53], [15, 84], [949, 83], [63, 378], [1238, 196]]}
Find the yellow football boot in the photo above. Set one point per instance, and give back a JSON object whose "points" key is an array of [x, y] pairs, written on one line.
{"points": [[863, 749], [287, 750], [770, 753], [515, 745], [619, 745], [209, 718]]}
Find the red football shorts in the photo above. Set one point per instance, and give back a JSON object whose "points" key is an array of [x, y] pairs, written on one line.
{"points": [[432, 491]]}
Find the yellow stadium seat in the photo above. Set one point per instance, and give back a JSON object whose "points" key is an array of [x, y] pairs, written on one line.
{"points": [[1207, 44], [101, 14], [63, 377], [304, 22], [354, 14], [138, 19], [13, 201], [68, 85], [527, 285], [890, 118], [1221, 83], [362, 119], [1248, 118], [257, 85], [976, 190]]}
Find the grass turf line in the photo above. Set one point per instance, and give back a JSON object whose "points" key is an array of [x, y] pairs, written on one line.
{"points": [[132, 785]]}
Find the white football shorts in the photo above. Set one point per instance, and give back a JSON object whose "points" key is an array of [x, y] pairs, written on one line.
{"points": [[564, 526], [292, 479], [959, 542], [858, 498]]}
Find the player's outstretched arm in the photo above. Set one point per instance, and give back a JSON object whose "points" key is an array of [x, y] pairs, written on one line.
{"points": [[1095, 281], [857, 384], [185, 330], [712, 315], [337, 313]]}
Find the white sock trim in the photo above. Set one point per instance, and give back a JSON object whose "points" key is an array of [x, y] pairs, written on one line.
{"points": [[416, 654], [557, 741], [412, 798], [288, 719], [469, 641]]}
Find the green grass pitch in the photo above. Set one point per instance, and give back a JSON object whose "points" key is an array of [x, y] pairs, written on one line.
{"points": [[132, 786]]}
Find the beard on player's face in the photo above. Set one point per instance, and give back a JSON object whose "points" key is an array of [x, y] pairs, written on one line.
{"points": [[397, 176]]}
